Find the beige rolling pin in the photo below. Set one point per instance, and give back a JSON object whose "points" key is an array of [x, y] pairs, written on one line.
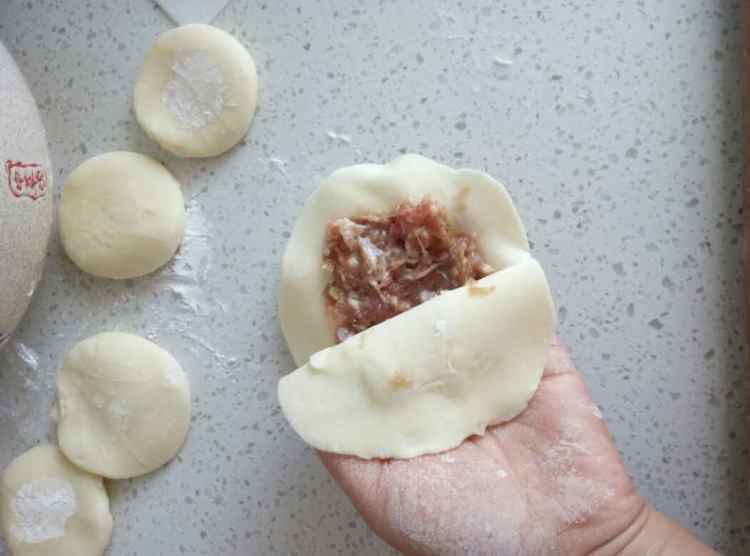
{"points": [[25, 195]]}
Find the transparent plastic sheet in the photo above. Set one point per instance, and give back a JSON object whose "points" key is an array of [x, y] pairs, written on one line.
{"points": [[183, 12]]}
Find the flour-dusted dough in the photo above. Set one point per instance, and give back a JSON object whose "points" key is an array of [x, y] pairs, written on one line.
{"points": [[49, 507], [124, 405], [198, 91], [428, 378], [122, 215]]}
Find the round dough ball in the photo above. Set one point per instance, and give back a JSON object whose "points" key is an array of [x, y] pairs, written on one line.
{"points": [[49, 507], [122, 215], [198, 91], [124, 405]]}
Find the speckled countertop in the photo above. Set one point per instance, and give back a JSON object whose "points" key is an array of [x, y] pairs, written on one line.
{"points": [[615, 128]]}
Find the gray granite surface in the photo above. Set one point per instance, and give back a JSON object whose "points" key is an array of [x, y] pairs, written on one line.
{"points": [[615, 126]]}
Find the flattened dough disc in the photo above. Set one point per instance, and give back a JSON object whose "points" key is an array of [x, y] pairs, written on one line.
{"points": [[122, 215], [198, 90], [48, 507], [124, 405]]}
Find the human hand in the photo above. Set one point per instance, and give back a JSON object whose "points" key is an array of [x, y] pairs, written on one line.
{"points": [[549, 482]]}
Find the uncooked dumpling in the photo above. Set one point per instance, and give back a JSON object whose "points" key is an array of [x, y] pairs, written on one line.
{"points": [[124, 405], [198, 90], [48, 507], [122, 215], [426, 379]]}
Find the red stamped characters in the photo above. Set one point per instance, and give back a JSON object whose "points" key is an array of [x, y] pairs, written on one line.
{"points": [[26, 180]]}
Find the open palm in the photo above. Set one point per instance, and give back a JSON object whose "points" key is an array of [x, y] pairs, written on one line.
{"points": [[549, 482]]}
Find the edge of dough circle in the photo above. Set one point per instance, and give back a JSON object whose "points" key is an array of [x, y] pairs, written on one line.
{"points": [[197, 93], [124, 405], [122, 215], [469, 360], [49, 506]]}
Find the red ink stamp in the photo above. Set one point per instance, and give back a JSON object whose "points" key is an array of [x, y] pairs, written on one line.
{"points": [[26, 180]]}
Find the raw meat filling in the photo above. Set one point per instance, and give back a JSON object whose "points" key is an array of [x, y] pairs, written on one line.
{"points": [[383, 265]]}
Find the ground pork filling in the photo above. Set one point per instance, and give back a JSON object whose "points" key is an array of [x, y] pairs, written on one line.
{"points": [[383, 265]]}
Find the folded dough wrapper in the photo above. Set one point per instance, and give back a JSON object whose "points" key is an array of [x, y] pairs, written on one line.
{"points": [[425, 380]]}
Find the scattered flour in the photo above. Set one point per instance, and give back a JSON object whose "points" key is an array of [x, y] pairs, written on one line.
{"points": [[429, 504], [32, 289], [574, 496], [27, 355], [280, 165], [576, 446], [500, 61], [29, 369], [580, 497], [189, 269], [340, 137], [196, 90], [41, 509], [172, 375]]}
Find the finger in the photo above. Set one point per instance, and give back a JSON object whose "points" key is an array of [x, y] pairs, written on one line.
{"points": [[358, 477], [361, 480]]}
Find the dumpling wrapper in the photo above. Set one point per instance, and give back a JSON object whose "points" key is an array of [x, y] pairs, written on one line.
{"points": [[476, 203], [425, 380]]}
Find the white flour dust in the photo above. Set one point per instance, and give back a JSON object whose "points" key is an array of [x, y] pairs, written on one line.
{"points": [[195, 93], [500, 61], [29, 368], [27, 355], [428, 505], [340, 137], [188, 271], [280, 165], [576, 496], [580, 497], [172, 375], [41, 509], [186, 279]]}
